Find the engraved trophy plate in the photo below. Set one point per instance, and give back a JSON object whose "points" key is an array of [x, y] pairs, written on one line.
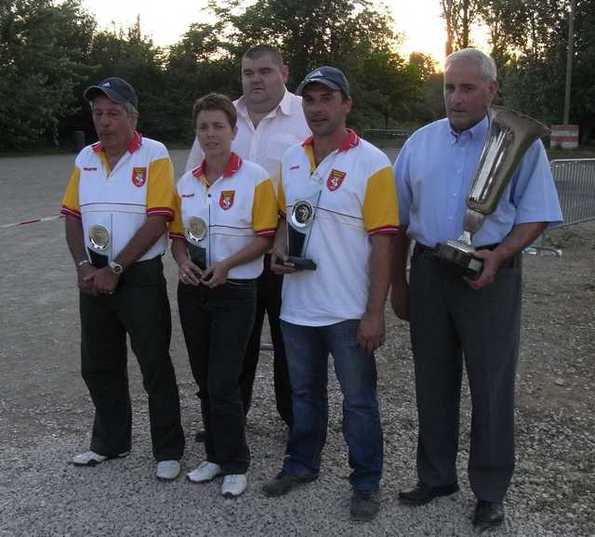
{"points": [[195, 232], [509, 136], [299, 227], [99, 244]]}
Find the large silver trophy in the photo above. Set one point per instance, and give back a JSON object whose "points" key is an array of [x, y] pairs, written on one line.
{"points": [[509, 137], [99, 245], [299, 228], [195, 233]]}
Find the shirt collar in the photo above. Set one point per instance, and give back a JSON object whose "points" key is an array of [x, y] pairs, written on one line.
{"points": [[233, 165], [134, 145], [284, 106], [350, 141], [478, 131]]}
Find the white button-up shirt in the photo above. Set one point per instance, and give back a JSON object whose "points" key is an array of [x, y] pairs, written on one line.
{"points": [[264, 144]]}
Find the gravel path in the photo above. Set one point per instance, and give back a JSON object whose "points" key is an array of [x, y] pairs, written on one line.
{"points": [[45, 411]]}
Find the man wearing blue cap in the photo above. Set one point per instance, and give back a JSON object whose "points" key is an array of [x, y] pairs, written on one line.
{"points": [[338, 308], [117, 204]]}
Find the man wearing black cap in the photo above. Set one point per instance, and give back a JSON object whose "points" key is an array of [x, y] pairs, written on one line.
{"points": [[117, 204], [337, 308]]}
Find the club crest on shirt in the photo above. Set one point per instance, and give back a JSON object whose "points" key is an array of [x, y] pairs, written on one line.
{"points": [[226, 199], [335, 179], [139, 176]]}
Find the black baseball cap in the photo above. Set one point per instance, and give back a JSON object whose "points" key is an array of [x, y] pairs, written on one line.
{"points": [[331, 77], [115, 89]]}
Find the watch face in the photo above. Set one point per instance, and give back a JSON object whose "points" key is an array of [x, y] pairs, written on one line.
{"points": [[116, 267]]}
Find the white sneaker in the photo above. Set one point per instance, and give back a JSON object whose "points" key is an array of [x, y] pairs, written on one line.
{"points": [[206, 471], [90, 458], [168, 470], [233, 485]]}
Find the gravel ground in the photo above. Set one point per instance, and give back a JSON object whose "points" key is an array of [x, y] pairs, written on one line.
{"points": [[45, 411]]}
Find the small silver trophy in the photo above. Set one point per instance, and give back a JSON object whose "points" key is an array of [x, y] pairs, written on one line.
{"points": [[195, 232], [509, 137], [299, 228], [98, 245]]}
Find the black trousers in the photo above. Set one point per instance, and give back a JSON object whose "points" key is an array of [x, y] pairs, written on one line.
{"points": [[217, 324], [139, 308], [452, 324], [269, 301]]}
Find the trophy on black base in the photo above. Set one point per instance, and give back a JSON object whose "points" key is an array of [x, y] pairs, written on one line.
{"points": [[299, 227], [509, 137], [98, 245], [195, 232]]}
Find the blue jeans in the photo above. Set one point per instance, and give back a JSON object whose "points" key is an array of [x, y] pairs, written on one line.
{"points": [[307, 351]]}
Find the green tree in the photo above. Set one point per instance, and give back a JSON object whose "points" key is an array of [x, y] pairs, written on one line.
{"points": [[43, 46], [459, 16]]}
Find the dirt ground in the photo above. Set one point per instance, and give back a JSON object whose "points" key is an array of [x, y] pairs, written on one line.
{"points": [[45, 411]]}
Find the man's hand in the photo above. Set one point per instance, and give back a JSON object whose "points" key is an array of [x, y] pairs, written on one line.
{"points": [[399, 299], [279, 264], [189, 273], [83, 274], [215, 275], [370, 332], [103, 281], [492, 261]]}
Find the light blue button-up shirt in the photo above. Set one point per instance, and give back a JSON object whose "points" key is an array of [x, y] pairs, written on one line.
{"points": [[434, 171]]}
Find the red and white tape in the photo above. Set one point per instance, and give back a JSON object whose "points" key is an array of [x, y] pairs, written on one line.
{"points": [[32, 221]]}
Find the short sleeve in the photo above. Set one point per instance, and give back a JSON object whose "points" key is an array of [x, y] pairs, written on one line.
{"points": [[401, 170], [70, 202], [160, 189], [534, 192], [176, 229], [264, 209], [380, 208]]}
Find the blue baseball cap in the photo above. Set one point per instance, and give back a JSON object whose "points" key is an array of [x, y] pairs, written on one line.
{"points": [[115, 89], [331, 77]]}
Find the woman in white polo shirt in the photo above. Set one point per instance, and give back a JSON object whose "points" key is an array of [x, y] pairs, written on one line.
{"points": [[225, 220]]}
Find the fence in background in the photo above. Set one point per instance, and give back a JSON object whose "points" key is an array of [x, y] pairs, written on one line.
{"points": [[575, 182]]}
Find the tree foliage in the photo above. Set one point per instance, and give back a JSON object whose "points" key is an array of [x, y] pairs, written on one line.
{"points": [[43, 47]]}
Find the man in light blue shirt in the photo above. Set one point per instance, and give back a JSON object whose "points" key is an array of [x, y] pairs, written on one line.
{"points": [[455, 321]]}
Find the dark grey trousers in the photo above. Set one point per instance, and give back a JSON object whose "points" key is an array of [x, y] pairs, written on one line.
{"points": [[139, 308], [452, 324]]}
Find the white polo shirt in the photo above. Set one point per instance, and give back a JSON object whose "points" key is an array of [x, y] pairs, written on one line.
{"points": [[357, 199], [237, 207], [140, 185], [264, 144]]}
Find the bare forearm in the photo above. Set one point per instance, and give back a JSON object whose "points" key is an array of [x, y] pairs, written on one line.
{"points": [[75, 239], [146, 236], [179, 251], [521, 236], [380, 272], [400, 246]]}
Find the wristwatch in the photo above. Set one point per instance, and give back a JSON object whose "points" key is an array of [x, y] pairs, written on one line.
{"points": [[116, 267]]}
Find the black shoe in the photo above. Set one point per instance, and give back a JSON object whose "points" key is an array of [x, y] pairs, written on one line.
{"points": [[283, 483], [422, 493], [364, 506], [488, 515], [200, 436]]}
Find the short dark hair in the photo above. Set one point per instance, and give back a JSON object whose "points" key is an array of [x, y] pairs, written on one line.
{"points": [[215, 101], [261, 50]]}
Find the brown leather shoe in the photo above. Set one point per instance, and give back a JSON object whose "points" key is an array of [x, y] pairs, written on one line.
{"points": [[422, 493]]}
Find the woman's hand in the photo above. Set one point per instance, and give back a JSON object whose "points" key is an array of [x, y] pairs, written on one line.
{"points": [[189, 273], [215, 275]]}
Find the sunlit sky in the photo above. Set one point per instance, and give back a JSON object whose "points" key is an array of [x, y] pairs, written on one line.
{"points": [[417, 20]]}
